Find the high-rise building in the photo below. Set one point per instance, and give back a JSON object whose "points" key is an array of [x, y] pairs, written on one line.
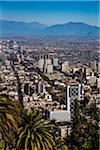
{"points": [[64, 66], [73, 94], [87, 71], [98, 66], [55, 62], [49, 69], [92, 80], [98, 82], [41, 64], [28, 90], [48, 61], [40, 88], [92, 65]]}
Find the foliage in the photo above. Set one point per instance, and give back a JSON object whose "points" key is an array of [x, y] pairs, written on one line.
{"points": [[84, 134], [29, 130], [9, 118], [35, 133]]}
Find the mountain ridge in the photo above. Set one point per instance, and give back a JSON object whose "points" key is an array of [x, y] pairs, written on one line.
{"points": [[36, 28]]}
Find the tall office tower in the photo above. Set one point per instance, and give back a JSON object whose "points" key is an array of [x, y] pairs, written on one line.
{"points": [[21, 54], [46, 56], [45, 68], [73, 94], [87, 71], [40, 88], [48, 61], [92, 65], [15, 46], [98, 66], [40, 56], [28, 90], [98, 84], [55, 62], [41, 64], [64, 66], [49, 68]]}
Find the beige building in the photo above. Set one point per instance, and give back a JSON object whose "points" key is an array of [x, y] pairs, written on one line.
{"points": [[98, 82], [64, 66], [88, 71]]}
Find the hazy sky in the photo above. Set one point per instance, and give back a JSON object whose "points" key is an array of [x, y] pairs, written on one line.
{"points": [[50, 12]]}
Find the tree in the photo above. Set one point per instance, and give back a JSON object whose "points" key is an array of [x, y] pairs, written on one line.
{"points": [[9, 117], [35, 133], [84, 134]]}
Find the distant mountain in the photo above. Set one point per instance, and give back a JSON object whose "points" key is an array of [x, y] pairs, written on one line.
{"points": [[20, 28], [72, 29], [35, 28]]}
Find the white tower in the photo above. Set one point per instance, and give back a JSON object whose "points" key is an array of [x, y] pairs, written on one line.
{"points": [[73, 93], [55, 62], [41, 64], [49, 68], [65, 66]]}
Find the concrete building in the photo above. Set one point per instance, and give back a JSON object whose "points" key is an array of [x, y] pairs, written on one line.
{"points": [[65, 66], [41, 64], [55, 62], [87, 71], [48, 61], [92, 65], [76, 69], [49, 68], [60, 115], [98, 82], [92, 80], [73, 93], [40, 88], [98, 66]]}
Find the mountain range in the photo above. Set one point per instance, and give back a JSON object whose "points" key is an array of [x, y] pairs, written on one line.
{"points": [[12, 28]]}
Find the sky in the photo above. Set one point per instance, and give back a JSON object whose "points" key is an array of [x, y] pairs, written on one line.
{"points": [[51, 12]]}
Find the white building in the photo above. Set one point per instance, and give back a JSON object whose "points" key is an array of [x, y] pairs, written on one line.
{"points": [[55, 62], [73, 93], [65, 66], [99, 67], [48, 61], [40, 88], [49, 69], [41, 64], [60, 115], [98, 82], [92, 65]]}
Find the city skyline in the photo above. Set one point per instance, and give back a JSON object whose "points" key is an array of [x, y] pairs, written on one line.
{"points": [[50, 12]]}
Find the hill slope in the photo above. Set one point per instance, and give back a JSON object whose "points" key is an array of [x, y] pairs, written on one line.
{"points": [[72, 29], [35, 28]]}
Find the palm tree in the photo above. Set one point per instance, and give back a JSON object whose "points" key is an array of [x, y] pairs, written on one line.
{"points": [[9, 117], [35, 133]]}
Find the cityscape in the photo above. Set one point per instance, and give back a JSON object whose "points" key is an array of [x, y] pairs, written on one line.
{"points": [[49, 79]]}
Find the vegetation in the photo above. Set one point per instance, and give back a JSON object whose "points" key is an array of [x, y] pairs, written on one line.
{"points": [[84, 134], [35, 133], [29, 130], [9, 118], [23, 130]]}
